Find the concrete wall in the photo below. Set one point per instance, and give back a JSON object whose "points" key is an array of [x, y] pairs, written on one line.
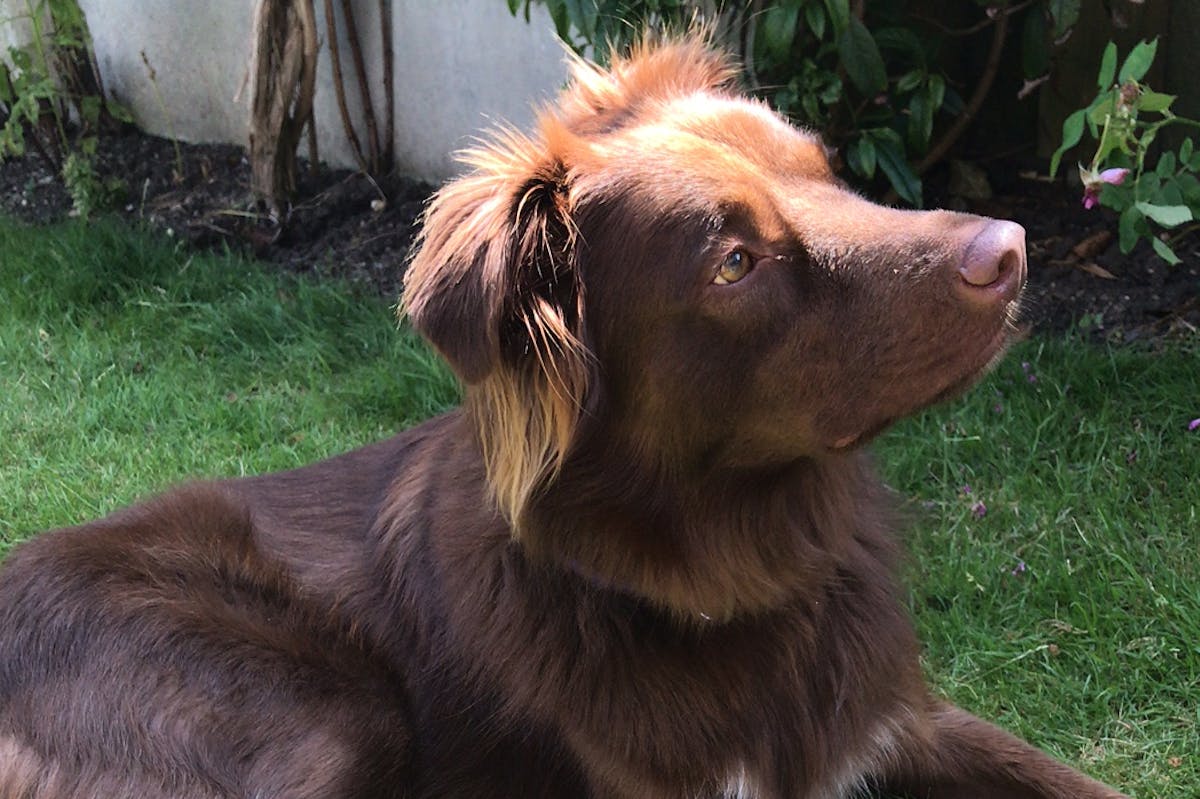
{"points": [[461, 66]]}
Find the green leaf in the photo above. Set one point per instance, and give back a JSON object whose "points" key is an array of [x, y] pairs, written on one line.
{"points": [[814, 15], [1189, 189], [936, 89], [1072, 133], [119, 112], [1166, 165], [1166, 215], [583, 16], [562, 19], [1185, 150], [839, 14], [1138, 62], [1128, 228], [920, 122], [1097, 112], [22, 61], [910, 80], [778, 30], [890, 156], [89, 109], [1171, 193], [1164, 251], [7, 95], [1108, 66], [1064, 13], [1156, 102], [860, 56], [903, 42], [861, 157], [1035, 54]]}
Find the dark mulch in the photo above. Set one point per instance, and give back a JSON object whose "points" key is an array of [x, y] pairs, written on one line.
{"points": [[345, 225], [342, 224]]}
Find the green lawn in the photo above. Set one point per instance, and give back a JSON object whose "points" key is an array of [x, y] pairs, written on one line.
{"points": [[1069, 610], [1066, 606], [127, 365]]}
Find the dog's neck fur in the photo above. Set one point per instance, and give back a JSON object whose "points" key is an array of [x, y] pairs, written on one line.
{"points": [[690, 544]]}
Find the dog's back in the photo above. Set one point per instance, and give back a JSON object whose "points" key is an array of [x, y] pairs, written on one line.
{"points": [[161, 653]]}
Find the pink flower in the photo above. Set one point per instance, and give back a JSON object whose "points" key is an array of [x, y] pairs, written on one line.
{"points": [[1094, 182], [979, 510], [1193, 425], [1115, 176]]}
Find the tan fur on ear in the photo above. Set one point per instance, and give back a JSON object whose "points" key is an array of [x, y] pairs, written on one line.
{"points": [[494, 286]]}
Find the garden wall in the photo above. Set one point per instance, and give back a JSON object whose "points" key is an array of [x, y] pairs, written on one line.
{"points": [[461, 66]]}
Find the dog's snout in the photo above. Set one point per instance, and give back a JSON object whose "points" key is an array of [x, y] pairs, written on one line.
{"points": [[993, 265]]}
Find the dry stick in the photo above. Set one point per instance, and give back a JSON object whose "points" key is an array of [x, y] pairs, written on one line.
{"points": [[939, 150], [274, 64], [308, 90], [339, 86], [314, 157], [977, 27], [302, 116], [364, 88], [285, 57], [389, 67]]}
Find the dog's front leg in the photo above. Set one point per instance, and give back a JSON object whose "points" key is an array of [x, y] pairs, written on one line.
{"points": [[963, 757]]}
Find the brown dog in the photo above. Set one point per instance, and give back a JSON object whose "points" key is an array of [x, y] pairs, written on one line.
{"points": [[647, 559]]}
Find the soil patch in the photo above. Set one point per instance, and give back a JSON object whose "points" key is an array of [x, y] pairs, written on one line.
{"points": [[345, 225]]}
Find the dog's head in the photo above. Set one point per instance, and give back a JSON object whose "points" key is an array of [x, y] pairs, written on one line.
{"points": [[675, 265]]}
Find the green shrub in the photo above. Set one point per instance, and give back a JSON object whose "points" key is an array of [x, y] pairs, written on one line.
{"points": [[872, 81]]}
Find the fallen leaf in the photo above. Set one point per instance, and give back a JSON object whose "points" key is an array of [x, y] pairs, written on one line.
{"points": [[1093, 245], [1097, 270]]}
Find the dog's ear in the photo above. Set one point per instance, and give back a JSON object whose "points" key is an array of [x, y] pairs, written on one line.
{"points": [[493, 273], [495, 286]]}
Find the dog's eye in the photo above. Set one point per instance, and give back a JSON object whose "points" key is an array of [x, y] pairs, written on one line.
{"points": [[735, 267]]}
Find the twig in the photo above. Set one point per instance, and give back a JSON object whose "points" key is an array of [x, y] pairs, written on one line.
{"points": [[364, 88], [314, 156], [977, 27], [389, 96], [339, 86]]}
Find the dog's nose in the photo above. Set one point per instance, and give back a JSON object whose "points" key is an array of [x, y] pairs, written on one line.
{"points": [[993, 266]]}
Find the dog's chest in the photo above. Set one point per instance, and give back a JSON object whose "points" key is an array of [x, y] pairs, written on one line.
{"points": [[849, 778], [741, 786]]}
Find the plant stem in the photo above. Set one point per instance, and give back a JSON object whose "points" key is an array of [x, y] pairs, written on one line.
{"points": [[35, 19]]}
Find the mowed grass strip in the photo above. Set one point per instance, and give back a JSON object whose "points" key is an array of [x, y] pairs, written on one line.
{"points": [[1055, 540], [1053, 512], [127, 364]]}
